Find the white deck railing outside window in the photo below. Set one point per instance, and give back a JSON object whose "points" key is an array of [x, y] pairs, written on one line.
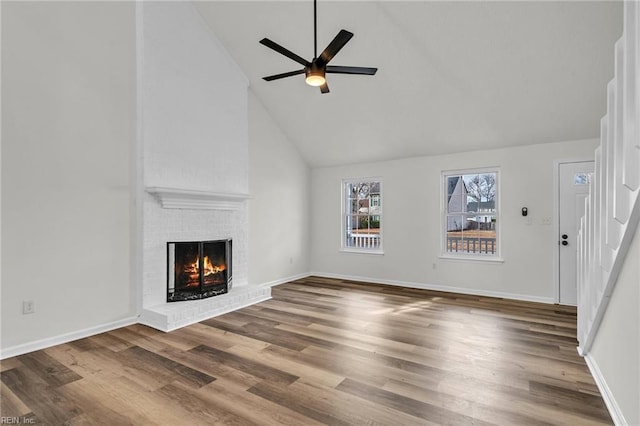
{"points": [[366, 241]]}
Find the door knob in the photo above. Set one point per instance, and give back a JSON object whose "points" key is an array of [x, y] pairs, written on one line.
{"points": [[565, 243], [565, 236]]}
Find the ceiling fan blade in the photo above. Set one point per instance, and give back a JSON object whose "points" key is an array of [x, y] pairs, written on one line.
{"points": [[283, 75], [283, 51], [334, 47], [324, 88], [336, 69]]}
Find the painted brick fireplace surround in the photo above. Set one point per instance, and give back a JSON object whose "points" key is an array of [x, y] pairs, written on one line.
{"points": [[193, 104], [200, 215]]}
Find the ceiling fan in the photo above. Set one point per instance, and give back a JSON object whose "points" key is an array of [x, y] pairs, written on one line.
{"points": [[316, 70]]}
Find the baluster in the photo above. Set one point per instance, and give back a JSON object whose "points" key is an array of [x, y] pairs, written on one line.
{"points": [[621, 194], [596, 205], [631, 107], [606, 251], [613, 232]]}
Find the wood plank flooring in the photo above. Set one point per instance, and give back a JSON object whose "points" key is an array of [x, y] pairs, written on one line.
{"points": [[322, 351]]}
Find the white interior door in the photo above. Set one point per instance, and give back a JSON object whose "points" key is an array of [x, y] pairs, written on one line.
{"points": [[573, 181]]}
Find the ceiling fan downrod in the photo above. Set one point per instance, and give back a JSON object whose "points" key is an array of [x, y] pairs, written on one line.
{"points": [[315, 29]]}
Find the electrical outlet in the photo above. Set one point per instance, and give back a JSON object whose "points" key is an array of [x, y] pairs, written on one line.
{"points": [[28, 307]]}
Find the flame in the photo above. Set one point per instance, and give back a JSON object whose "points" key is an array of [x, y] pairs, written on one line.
{"points": [[210, 269], [193, 270]]}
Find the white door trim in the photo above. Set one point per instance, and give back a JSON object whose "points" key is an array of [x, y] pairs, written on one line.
{"points": [[556, 221]]}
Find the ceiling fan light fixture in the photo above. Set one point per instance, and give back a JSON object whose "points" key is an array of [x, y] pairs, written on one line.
{"points": [[315, 78]]}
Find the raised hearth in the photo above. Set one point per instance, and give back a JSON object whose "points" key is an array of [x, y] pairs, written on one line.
{"points": [[170, 316]]}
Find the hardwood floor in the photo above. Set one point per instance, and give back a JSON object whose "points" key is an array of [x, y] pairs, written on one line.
{"points": [[322, 351]]}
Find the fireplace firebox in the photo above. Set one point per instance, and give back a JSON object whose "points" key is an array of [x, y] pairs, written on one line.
{"points": [[198, 269]]}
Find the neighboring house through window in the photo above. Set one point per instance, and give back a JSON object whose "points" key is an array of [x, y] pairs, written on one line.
{"points": [[362, 215], [471, 213]]}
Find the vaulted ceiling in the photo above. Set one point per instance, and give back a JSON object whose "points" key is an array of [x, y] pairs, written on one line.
{"points": [[452, 76]]}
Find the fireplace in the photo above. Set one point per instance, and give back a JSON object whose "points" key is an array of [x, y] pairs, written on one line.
{"points": [[198, 269]]}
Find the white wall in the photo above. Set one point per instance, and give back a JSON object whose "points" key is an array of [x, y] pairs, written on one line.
{"points": [[412, 222], [194, 103], [68, 111], [194, 116], [616, 348], [279, 213]]}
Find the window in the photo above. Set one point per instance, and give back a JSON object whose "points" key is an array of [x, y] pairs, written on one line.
{"points": [[471, 213], [362, 215]]}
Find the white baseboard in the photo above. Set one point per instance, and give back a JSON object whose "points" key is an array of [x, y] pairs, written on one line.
{"points": [[64, 338], [607, 395], [286, 280], [435, 287]]}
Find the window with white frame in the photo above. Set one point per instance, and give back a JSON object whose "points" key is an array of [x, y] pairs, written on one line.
{"points": [[471, 213], [362, 215]]}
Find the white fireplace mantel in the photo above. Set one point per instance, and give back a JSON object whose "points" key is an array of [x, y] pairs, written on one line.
{"points": [[178, 198]]}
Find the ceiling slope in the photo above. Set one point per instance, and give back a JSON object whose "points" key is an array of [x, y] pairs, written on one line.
{"points": [[452, 76]]}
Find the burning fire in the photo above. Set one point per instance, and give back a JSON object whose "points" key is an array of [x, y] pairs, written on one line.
{"points": [[208, 269]]}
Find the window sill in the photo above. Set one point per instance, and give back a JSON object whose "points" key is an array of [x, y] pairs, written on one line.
{"points": [[474, 259], [362, 251]]}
